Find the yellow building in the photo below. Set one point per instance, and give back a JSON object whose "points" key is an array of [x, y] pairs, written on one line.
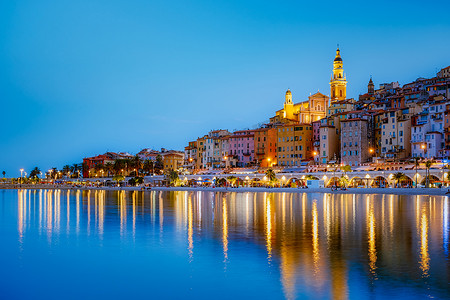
{"points": [[303, 112], [173, 160], [200, 149], [338, 82], [294, 144]]}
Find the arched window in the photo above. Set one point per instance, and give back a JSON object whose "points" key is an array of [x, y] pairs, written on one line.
{"points": [[340, 92]]}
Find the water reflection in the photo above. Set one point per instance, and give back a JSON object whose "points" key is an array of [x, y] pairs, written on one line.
{"points": [[319, 242]]}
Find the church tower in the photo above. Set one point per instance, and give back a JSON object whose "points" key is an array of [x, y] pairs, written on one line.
{"points": [[288, 106], [338, 82], [370, 87]]}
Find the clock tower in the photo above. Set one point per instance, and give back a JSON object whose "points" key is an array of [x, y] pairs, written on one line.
{"points": [[338, 82]]}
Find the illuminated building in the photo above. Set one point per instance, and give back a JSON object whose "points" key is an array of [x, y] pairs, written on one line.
{"points": [[294, 144], [303, 112], [266, 146], [338, 82]]}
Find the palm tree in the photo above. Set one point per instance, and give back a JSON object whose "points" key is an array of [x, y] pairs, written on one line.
{"points": [[172, 176], [344, 181], [4, 174], [108, 167], [66, 169], [147, 166], [54, 172], [137, 164], [118, 178], [428, 165], [232, 180], [98, 168], [346, 168], [399, 176], [270, 174], [35, 172], [159, 164]]}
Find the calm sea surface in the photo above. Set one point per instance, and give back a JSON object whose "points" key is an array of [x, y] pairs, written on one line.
{"points": [[58, 244]]}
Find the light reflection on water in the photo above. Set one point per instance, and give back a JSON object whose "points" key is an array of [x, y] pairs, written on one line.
{"points": [[305, 245]]}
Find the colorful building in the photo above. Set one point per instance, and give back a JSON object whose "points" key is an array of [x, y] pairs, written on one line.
{"points": [[266, 146], [294, 144], [242, 146]]}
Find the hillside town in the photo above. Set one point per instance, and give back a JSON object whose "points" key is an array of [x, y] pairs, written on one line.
{"points": [[389, 125]]}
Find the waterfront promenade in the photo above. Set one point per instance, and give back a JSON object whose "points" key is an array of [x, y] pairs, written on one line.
{"points": [[393, 191]]}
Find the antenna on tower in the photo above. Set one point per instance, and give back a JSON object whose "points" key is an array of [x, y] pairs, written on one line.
{"points": [[338, 45]]}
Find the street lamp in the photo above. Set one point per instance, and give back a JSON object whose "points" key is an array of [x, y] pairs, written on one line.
{"points": [[424, 148], [21, 171], [268, 162]]}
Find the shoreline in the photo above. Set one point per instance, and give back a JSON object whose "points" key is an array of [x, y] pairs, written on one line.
{"points": [[393, 191]]}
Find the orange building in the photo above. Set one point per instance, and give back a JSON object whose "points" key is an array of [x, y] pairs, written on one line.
{"points": [[294, 144], [173, 160], [266, 147]]}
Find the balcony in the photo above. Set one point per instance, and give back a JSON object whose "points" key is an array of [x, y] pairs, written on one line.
{"points": [[261, 150]]}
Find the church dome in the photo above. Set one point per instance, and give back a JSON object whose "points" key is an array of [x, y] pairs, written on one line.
{"points": [[288, 92]]}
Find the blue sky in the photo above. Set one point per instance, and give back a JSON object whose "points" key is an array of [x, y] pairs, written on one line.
{"points": [[78, 78]]}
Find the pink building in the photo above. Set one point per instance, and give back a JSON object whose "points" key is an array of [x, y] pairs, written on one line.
{"points": [[242, 147]]}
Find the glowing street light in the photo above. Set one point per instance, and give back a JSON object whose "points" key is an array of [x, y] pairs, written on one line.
{"points": [[21, 171]]}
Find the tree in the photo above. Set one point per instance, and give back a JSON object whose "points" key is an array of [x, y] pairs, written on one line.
{"points": [[270, 174], [98, 167], [172, 176], [139, 180], [147, 166], [54, 173], [4, 174], [132, 181], [108, 168], [137, 164], [346, 168], [428, 165], [35, 172], [399, 176], [159, 164], [232, 180], [344, 181], [118, 166], [118, 178], [221, 181], [76, 168], [66, 169]]}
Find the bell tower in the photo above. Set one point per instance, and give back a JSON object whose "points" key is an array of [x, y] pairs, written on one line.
{"points": [[338, 82], [288, 106], [370, 87]]}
